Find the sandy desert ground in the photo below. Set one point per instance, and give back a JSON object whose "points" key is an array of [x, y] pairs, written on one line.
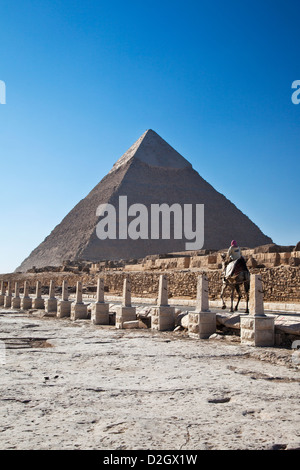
{"points": [[75, 385]]}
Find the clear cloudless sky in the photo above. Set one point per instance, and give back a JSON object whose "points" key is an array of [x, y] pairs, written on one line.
{"points": [[85, 78]]}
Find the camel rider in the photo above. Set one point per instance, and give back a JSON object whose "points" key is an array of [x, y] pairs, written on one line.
{"points": [[234, 251]]}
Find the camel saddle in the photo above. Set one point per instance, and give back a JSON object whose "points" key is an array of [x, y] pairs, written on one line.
{"points": [[235, 267]]}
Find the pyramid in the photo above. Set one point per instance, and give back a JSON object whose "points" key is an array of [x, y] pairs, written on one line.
{"points": [[150, 172]]}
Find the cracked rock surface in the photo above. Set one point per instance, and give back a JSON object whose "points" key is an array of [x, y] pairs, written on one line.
{"points": [[75, 385]]}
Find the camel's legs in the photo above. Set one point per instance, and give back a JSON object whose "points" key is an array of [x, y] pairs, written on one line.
{"points": [[232, 295], [247, 287], [237, 288], [222, 293]]}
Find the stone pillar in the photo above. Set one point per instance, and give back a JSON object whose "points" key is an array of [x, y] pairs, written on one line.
{"points": [[100, 310], [64, 305], [256, 295], [38, 302], [16, 300], [8, 296], [78, 296], [202, 322], [2, 293], [51, 302], [202, 304], [125, 312], [78, 308], [163, 316], [64, 291], [257, 329], [26, 301], [163, 299]]}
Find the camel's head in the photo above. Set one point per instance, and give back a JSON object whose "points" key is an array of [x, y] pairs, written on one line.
{"points": [[224, 258]]}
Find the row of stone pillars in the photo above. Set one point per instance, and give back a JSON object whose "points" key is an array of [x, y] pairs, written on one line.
{"points": [[63, 307], [256, 329]]}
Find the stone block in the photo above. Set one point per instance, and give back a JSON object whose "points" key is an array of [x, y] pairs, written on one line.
{"points": [[248, 323], [63, 308], [267, 259], [197, 261], [163, 318], [15, 302], [124, 314], [284, 258], [100, 313], [50, 305], [257, 330], [26, 303], [201, 325], [2, 299], [38, 303], [7, 301], [78, 311], [211, 259], [131, 324]]}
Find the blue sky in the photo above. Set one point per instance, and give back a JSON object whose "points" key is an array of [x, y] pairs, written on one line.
{"points": [[84, 79]]}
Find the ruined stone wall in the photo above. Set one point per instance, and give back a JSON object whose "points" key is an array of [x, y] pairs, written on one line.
{"points": [[214, 261], [280, 284]]}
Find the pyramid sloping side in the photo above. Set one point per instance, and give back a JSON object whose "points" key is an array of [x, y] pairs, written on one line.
{"points": [[150, 185], [68, 239]]}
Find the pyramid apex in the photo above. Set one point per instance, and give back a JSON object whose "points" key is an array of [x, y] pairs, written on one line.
{"points": [[153, 150]]}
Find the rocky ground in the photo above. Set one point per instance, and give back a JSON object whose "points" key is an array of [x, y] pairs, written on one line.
{"points": [[74, 385]]}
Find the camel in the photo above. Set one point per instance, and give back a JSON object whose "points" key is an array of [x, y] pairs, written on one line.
{"points": [[234, 282]]}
